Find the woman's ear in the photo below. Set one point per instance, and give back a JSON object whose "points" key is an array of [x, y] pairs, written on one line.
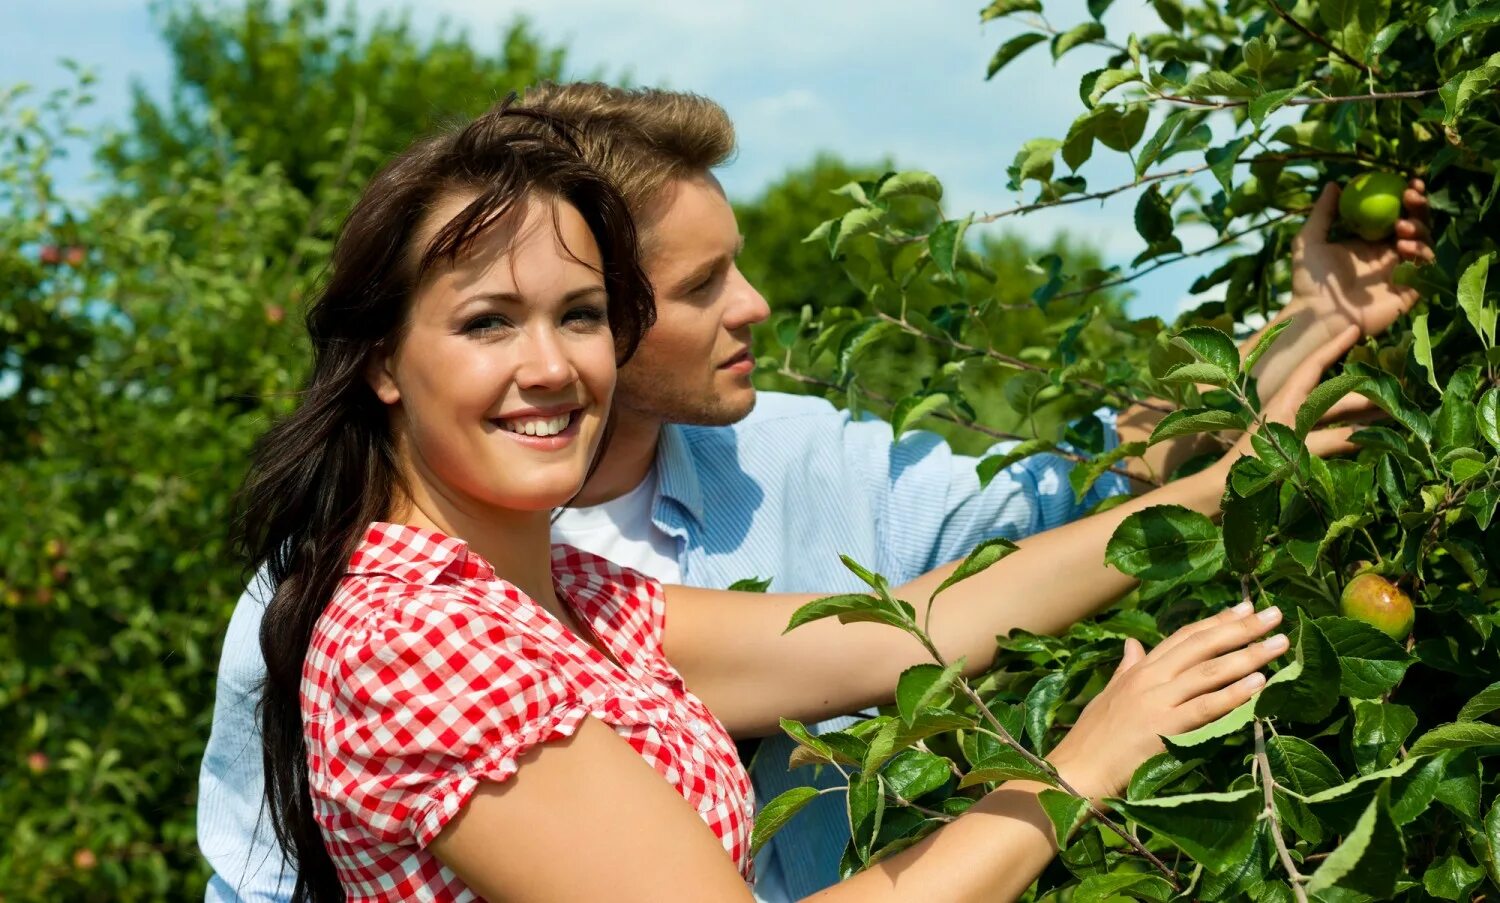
{"points": [[378, 375]]}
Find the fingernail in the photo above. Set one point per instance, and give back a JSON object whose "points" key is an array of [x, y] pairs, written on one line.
{"points": [[1254, 681], [1244, 608], [1270, 615], [1277, 643]]}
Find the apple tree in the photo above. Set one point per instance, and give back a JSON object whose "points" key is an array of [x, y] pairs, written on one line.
{"points": [[1366, 767]]}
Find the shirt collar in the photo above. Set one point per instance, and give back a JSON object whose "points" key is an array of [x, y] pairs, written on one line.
{"points": [[677, 477], [416, 555]]}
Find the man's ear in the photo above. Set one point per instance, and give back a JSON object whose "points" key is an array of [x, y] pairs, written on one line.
{"points": [[378, 375]]}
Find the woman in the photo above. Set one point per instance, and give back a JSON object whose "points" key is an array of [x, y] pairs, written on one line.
{"points": [[455, 710]]}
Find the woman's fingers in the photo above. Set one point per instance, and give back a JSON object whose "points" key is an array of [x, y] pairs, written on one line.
{"points": [[1351, 405], [1332, 441], [1216, 641], [1210, 707], [1187, 631], [1217, 673]]}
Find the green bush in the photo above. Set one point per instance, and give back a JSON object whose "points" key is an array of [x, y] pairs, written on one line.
{"points": [[1365, 769]]}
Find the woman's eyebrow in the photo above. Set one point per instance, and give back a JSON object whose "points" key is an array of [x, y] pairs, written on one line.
{"points": [[514, 298]]}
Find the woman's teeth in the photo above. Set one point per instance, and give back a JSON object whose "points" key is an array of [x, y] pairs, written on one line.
{"points": [[537, 426]]}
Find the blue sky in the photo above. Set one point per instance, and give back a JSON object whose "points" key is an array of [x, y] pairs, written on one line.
{"points": [[863, 78]]}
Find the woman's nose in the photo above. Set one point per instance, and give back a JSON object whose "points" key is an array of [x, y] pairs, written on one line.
{"points": [[546, 364]]}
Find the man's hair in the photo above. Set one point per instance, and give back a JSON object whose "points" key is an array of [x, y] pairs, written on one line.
{"points": [[640, 139]]}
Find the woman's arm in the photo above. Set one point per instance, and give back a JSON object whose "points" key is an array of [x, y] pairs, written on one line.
{"points": [[587, 818], [734, 652]]}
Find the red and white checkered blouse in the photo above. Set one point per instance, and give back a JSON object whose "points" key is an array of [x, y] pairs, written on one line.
{"points": [[428, 674]]}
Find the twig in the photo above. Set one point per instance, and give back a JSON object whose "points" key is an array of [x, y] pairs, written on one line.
{"points": [[1299, 101], [1167, 261], [1319, 39], [1268, 783]]}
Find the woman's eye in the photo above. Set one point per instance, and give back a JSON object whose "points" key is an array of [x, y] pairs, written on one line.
{"points": [[485, 325], [585, 316]]}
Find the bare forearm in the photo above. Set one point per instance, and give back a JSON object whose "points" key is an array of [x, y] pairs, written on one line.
{"points": [[1058, 577], [992, 852]]}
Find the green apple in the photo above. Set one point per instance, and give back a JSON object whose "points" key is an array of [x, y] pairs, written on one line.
{"points": [[1376, 601], [1370, 204]]}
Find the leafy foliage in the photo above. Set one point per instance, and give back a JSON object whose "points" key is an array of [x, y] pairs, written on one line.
{"points": [[1364, 769]]}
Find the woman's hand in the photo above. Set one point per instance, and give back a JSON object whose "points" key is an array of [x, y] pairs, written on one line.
{"points": [[1195, 676]]}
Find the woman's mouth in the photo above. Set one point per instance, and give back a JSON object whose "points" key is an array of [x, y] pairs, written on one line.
{"points": [[541, 431]]}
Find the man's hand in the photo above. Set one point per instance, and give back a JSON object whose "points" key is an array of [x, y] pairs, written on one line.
{"points": [[1348, 282]]}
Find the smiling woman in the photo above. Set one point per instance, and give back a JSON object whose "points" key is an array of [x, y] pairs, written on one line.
{"points": [[481, 293]]}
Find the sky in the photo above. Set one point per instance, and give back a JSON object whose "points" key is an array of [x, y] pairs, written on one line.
{"points": [[865, 79]]}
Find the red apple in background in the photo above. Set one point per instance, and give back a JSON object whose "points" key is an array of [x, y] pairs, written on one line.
{"points": [[275, 313], [76, 256], [38, 762], [51, 255], [84, 860]]}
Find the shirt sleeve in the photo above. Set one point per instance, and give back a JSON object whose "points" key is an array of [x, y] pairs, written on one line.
{"points": [[439, 697], [935, 511]]}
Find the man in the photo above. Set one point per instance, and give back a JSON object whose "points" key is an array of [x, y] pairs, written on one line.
{"points": [[696, 489]]}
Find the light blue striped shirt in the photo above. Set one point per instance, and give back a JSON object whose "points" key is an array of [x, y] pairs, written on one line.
{"points": [[781, 495]]}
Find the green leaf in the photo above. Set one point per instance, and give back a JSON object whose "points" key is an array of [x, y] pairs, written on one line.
{"points": [[848, 609], [1153, 218], [1466, 87], [945, 241], [1119, 129], [1078, 146], [1384, 389], [1379, 730], [990, 466], [1003, 764], [1490, 841], [1083, 33], [1353, 23], [1188, 421], [814, 744], [1421, 348], [1452, 878], [866, 804], [1210, 346], [921, 686], [1489, 417], [750, 585], [859, 221], [998, 8], [911, 183], [1083, 475], [1012, 49], [1325, 396], [1482, 15], [1066, 811], [1370, 663], [1225, 725], [1215, 83], [1471, 286], [1221, 160], [1247, 523], [1371, 857], [773, 815], [1154, 146], [1263, 344], [1481, 704], [1307, 689], [1271, 101], [1458, 735], [1110, 79], [913, 408], [1121, 886], [978, 559], [913, 773], [1162, 542], [1216, 829], [1337, 530]]}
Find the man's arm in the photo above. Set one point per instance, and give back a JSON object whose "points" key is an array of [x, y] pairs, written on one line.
{"points": [[735, 654], [234, 829], [1334, 285]]}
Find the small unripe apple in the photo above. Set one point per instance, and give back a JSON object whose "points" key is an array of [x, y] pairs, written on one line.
{"points": [[51, 255], [84, 860], [55, 548], [38, 762], [44, 595], [275, 313], [1370, 204], [1380, 603], [60, 573]]}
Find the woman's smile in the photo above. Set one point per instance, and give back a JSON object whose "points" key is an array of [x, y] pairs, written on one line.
{"points": [[542, 429]]}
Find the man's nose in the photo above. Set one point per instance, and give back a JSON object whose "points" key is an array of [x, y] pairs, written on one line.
{"points": [[746, 306]]}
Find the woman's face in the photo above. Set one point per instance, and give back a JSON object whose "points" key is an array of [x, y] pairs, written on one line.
{"points": [[500, 387]]}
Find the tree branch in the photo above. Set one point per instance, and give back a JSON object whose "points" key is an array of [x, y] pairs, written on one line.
{"points": [[1319, 39], [1299, 101], [1263, 763]]}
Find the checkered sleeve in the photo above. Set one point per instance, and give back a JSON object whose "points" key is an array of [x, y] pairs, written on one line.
{"points": [[437, 696]]}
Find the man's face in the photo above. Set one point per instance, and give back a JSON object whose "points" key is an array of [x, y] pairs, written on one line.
{"points": [[694, 365]]}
